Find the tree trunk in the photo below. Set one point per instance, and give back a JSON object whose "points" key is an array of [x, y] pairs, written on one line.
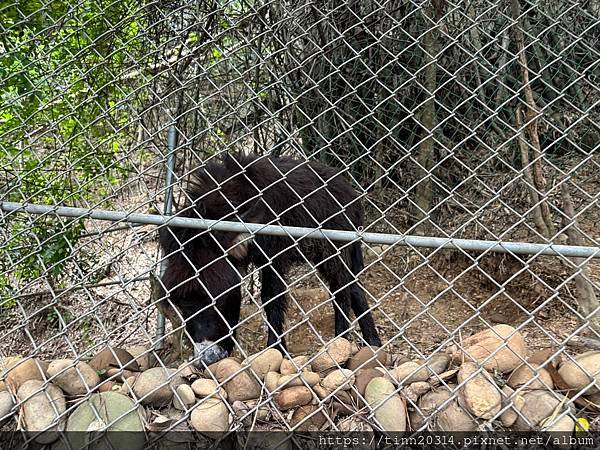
{"points": [[426, 155], [534, 198], [531, 120]]}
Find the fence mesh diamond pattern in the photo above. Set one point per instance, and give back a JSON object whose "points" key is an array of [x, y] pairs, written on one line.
{"points": [[212, 212]]}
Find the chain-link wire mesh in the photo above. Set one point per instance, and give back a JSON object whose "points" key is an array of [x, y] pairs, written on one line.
{"points": [[399, 174]]}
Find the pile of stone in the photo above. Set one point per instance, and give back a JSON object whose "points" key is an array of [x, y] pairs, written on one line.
{"points": [[490, 380]]}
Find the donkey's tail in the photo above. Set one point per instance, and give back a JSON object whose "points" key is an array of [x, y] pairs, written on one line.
{"points": [[356, 258]]}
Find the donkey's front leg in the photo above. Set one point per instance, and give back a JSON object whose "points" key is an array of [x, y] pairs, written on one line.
{"points": [[274, 302]]}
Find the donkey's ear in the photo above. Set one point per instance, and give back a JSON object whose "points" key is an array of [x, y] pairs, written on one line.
{"points": [[255, 212], [239, 245]]}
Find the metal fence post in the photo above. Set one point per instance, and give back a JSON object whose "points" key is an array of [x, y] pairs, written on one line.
{"points": [[170, 165]]}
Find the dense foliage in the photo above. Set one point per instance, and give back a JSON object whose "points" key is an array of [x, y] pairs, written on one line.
{"points": [[419, 102], [62, 124]]}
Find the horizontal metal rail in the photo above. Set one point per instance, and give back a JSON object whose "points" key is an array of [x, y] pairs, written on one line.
{"points": [[301, 232]]}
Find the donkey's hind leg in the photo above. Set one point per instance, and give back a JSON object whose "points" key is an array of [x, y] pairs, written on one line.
{"points": [[360, 306], [365, 318], [343, 283]]}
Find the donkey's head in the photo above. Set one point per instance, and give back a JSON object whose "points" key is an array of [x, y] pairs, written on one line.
{"points": [[203, 278]]}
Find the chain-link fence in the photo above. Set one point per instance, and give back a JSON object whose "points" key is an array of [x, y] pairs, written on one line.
{"points": [[420, 177]]}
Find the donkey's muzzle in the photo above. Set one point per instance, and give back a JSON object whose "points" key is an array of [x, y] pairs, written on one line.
{"points": [[207, 353]]}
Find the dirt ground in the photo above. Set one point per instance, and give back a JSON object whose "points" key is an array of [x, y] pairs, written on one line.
{"points": [[418, 313]]}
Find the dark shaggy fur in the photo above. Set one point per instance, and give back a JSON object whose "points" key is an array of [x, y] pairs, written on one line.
{"points": [[263, 190]]}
